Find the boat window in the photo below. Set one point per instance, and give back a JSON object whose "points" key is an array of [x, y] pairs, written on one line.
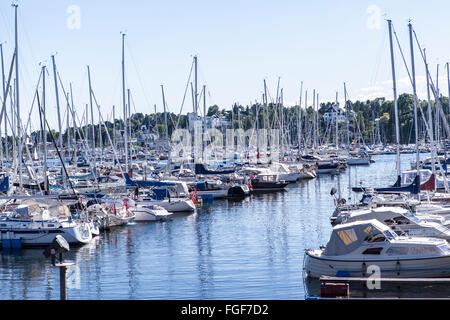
{"points": [[412, 218], [423, 250], [389, 235], [373, 251], [442, 228], [444, 248], [397, 251], [401, 220], [347, 236], [379, 237]]}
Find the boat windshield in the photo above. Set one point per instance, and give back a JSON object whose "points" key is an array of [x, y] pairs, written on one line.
{"points": [[389, 235], [442, 229], [444, 248], [413, 218]]}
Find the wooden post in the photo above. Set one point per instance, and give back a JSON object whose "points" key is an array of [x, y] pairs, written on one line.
{"points": [[62, 282]]}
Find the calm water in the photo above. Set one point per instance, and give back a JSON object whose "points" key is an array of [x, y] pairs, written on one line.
{"points": [[249, 249]]}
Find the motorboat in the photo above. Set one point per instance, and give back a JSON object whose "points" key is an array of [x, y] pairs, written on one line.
{"points": [[175, 198], [33, 226], [361, 158], [284, 172], [307, 172], [355, 247], [171, 205], [267, 182], [151, 212], [110, 214], [216, 189], [238, 191], [400, 221], [358, 161], [328, 167]]}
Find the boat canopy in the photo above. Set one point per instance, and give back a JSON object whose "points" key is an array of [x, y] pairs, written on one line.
{"points": [[4, 185], [380, 214], [160, 193], [177, 188], [201, 169], [409, 176], [147, 183], [347, 237]]}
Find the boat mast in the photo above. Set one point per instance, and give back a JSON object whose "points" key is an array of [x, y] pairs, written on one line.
{"points": [[413, 70], [165, 124], [4, 99], [394, 87], [317, 121], [448, 83], [299, 120], [92, 109], [68, 125], [346, 113], [17, 104], [157, 130], [195, 108], [72, 112], [124, 104], [257, 129], [129, 124], [100, 138], [267, 125], [306, 142], [281, 124], [86, 122], [114, 125], [438, 107], [314, 120], [337, 123], [8, 89], [45, 132], [430, 115], [57, 102], [204, 124]]}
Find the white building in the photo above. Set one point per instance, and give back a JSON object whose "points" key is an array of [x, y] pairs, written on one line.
{"points": [[334, 112], [215, 121]]}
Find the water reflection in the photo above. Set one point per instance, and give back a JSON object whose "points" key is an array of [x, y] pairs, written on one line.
{"points": [[204, 251], [391, 290], [229, 249]]}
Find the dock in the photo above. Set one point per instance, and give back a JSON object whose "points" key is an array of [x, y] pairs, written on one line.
{"points": [[384, 280], [390, 288]]}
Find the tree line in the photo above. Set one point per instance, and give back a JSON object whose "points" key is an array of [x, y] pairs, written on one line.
{"points": [[362, 115]]}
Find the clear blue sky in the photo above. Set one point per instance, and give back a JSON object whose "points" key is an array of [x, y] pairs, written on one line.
{"points": [[238, 43]]}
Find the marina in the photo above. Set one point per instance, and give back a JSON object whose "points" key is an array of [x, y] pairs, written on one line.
{"points": [[227, 250], [104, 196]]}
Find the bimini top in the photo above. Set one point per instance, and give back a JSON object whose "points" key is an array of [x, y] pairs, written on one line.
{"points": [[348, 236]]}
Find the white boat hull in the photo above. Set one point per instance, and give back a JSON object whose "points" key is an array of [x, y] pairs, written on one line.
{"points": [[328, 171], [216, 194], [288, 177], [430, 267], [174, 205], [307, 175], [358, 161], [44, 237], [145, 214]]}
